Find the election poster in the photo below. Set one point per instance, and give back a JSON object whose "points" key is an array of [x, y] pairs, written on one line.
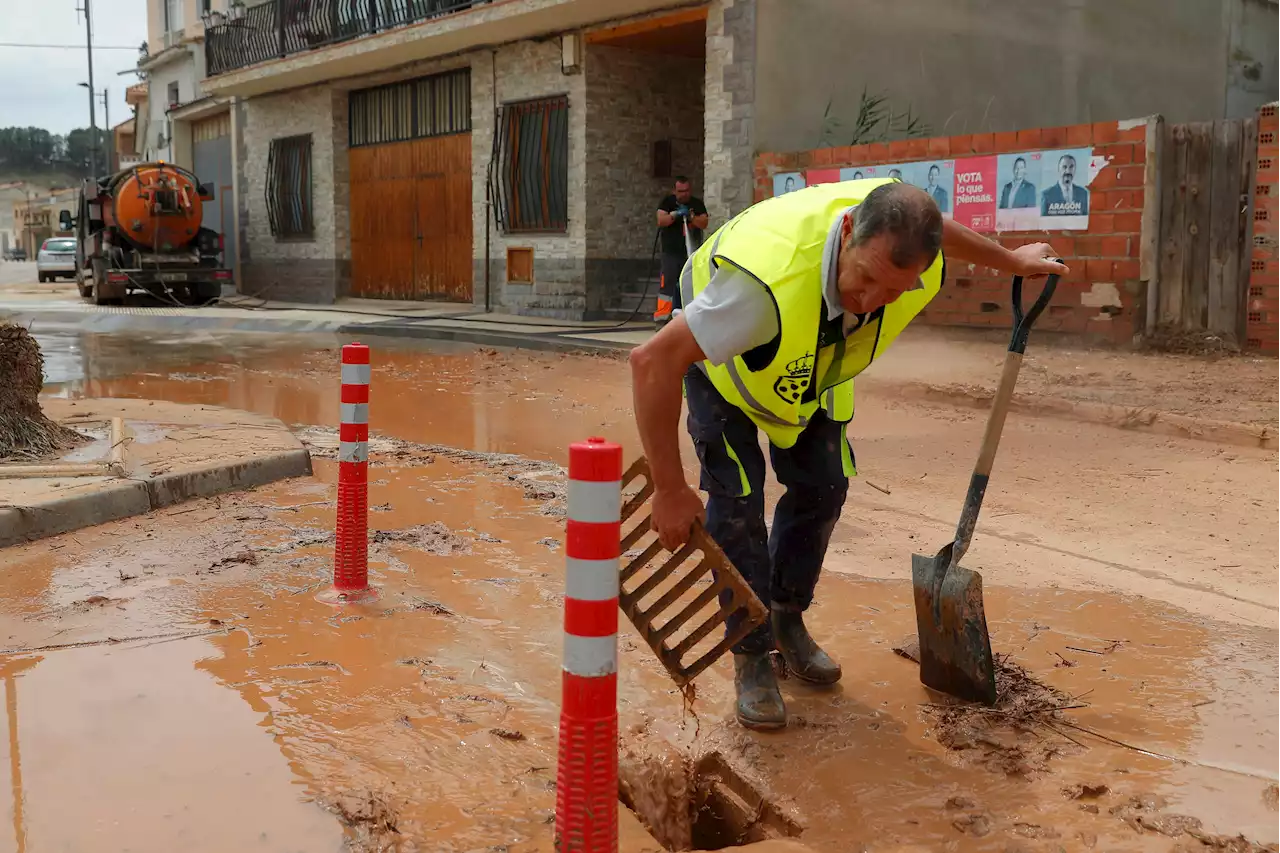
{"points": [[1018, 199], [937, 178], [787, 182], [1064, 198], [975, 193], [896, 171], [1026, 191], [813, 177]]}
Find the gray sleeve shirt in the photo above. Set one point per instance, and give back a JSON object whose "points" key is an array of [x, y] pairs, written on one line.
{"points": [[732, 314]]}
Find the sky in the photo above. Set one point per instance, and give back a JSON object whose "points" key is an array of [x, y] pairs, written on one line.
{"points": [[38, 86]]}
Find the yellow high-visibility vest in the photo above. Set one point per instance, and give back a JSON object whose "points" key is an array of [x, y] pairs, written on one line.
{"points": [[779, 242]]}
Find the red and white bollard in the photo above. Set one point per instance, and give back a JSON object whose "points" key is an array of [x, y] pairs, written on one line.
{"points": [[351, 548], [587, 772]]}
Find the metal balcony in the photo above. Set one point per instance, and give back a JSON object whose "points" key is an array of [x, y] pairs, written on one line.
{"points": [[281, 28]]}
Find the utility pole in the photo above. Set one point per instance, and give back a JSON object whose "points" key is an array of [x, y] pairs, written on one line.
{"points": [[109, 154], [93, 123]]}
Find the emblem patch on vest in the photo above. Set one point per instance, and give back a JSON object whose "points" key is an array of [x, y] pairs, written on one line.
{"points": [[792, 386]]}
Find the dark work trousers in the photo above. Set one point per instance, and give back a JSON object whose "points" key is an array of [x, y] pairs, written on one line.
{"points": [[670, 282], [782, 564]]}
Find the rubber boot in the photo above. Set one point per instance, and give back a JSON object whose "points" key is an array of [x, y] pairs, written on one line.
{"points": [[804, 659], [759, 700]]}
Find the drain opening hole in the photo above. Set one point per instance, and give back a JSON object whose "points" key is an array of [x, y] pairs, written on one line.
{"points": [[703, 805]]}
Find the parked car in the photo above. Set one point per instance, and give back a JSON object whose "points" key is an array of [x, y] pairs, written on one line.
{"points": [[17, 253], [57, 257]]}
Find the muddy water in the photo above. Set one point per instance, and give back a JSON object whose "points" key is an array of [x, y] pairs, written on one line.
{"points": [[473, 398], [1180, 521], [875, 774], [431, 714], [140, 745]]}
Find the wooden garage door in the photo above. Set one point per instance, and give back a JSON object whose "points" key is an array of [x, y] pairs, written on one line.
{"points": [[410, 160]]}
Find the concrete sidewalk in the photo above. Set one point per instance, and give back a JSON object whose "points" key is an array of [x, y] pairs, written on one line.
{"points": [[167, 453]]}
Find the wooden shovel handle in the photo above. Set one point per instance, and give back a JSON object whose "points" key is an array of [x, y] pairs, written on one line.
{"points": [[1022, 324]]}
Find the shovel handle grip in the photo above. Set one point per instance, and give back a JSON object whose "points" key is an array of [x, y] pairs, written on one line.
{"points": [[1022, 323]]}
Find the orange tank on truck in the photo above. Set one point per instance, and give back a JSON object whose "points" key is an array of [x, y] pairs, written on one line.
{"points": [[158, 207]]}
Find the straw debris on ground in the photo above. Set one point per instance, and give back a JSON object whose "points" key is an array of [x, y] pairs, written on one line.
{"points": [[370, 819], [1179, 341], [434, 538], [26, 434], [1019, 735]]}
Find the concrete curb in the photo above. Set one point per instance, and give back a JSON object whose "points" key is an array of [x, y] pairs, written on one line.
{"points": [[212, 480], [125, 498], [71, 512], [1135, 418]]}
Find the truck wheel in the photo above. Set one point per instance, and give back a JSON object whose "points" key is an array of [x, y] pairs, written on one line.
{"points": [[41, 277]]}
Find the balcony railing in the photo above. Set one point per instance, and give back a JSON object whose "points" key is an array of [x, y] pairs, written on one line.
{"points": [[284, 27]]}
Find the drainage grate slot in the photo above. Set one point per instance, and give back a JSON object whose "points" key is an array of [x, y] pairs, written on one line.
{"points": [[697, 805]]}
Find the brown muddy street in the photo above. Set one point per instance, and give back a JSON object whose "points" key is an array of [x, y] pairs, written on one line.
{"points": [[1135, 576]]}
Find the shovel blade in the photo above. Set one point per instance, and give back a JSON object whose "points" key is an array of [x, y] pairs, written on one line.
{"points": [[955, 649]]}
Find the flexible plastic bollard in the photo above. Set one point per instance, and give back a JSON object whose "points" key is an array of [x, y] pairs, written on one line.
{"points": [[351, 547], [587, 768]]}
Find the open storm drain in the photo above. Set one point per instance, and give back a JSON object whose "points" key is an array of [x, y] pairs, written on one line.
{"points": [[702, 804]]}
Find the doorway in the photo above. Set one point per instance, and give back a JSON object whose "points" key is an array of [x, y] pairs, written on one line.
{"points": [[645, 106]]}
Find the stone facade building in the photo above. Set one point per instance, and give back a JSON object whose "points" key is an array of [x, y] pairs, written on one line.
{"points": [[587, 118], [511, 154]]}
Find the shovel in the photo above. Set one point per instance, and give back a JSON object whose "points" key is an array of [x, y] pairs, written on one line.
{"points": [[955, 649]]}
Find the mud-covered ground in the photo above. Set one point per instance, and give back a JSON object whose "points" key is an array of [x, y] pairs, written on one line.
{"points": [[1130, 587], [1216, 386]]}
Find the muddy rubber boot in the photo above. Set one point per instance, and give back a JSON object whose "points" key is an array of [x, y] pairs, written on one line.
{"points": [[804, 659], [759, 700]]}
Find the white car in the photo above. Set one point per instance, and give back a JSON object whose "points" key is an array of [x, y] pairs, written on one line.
{"points": [[57, 257]]}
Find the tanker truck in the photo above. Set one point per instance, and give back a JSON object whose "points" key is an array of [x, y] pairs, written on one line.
{"points": [[139, 230]]}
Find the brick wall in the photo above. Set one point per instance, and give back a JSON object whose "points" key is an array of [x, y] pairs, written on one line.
{"points": [[1261, 327], [1104, 296]]}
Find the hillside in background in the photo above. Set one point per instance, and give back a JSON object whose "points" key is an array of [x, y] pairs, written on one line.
{"points": [[48, 179], [43, 159]]}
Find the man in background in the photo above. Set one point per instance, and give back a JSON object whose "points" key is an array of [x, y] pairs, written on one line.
{"points": [[677, 210]]}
